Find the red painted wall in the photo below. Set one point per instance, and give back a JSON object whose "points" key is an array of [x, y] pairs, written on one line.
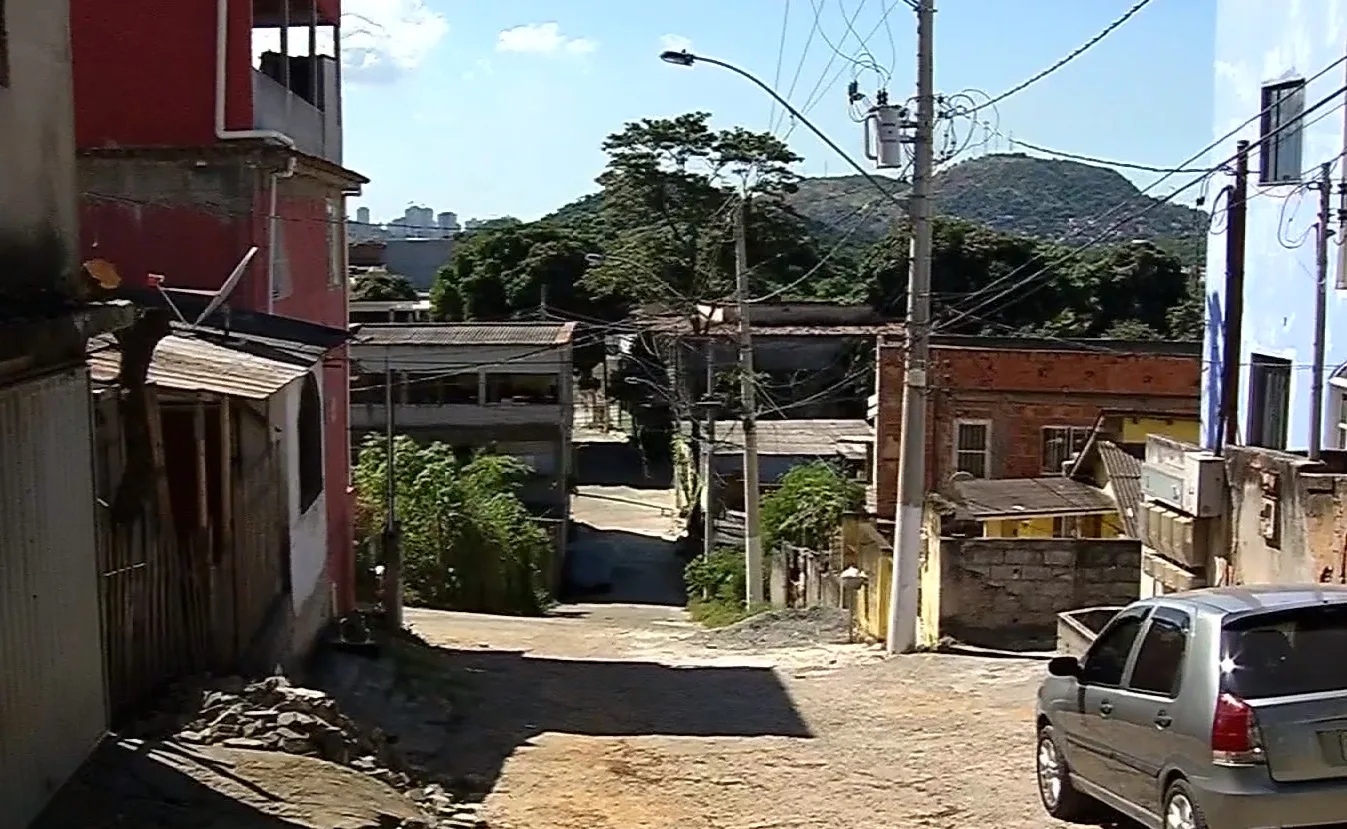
{"points": [[144, 71], [190, 247]]}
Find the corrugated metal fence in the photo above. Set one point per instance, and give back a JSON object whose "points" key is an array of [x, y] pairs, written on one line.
{"points": [[53, 709]]}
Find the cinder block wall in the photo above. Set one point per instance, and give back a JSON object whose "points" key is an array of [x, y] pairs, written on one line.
{"points": [[1007, 592]]}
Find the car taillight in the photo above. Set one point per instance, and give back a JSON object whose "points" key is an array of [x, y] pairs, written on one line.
{"points": [[1234, 733]]}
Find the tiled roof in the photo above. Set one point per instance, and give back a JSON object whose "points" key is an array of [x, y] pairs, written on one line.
{"points": [[1025, 497], [1124, 475], [467, 333]]}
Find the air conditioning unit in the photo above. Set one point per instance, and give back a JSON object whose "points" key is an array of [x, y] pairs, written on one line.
{"points": [[1190, 481]]}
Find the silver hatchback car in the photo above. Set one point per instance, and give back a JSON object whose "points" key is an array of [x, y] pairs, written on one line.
{"points": [[1223, 708]]}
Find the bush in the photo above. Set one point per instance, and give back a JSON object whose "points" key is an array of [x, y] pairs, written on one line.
{"points": [[718, 578]]}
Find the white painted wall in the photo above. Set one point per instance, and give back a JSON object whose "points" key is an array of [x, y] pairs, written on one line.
{"points": [[308, 529]]}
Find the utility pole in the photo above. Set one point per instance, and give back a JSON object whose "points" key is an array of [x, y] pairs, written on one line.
{"points": [[708, 473], [1325, 234], [392, 541], [903, 599], [1233, 324], [752, 529]]}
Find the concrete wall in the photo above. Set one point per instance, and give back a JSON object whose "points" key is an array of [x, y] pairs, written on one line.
{"points": [[419, 260], [1007, 592], [1288, 518], [1022, 390], [1253, 48], [38, 231], [308, 528]]}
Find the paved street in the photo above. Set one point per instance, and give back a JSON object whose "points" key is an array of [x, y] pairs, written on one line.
{"points": [[627, 716]]}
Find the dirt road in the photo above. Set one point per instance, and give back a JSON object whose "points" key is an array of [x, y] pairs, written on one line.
{"points": [[624, 717]]}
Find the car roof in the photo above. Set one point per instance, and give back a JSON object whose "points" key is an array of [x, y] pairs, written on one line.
{"points": [[1258, 598]]}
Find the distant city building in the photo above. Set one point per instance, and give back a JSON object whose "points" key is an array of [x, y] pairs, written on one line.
{"points": [[416, 222]]}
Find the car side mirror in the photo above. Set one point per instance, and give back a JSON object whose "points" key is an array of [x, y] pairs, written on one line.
{"points": [[1064, 666]]}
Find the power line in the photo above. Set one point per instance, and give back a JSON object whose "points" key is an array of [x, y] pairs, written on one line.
{"points": [[780, 56], [1072, 55]]}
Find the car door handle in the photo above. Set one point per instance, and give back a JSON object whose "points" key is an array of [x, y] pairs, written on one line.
{"points": [[1105, 708], [1163, 720]]}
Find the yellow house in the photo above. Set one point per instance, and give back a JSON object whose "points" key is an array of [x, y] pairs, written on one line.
{"points": [[1048, 507]]}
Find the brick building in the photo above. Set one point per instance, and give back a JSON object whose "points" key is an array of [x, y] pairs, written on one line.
{"points": [[1021, 407]]}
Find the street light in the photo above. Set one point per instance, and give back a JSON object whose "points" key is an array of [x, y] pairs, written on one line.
{"points": [[686, 58]]}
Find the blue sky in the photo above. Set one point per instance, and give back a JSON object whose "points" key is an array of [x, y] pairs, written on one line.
{"points": [[499, 108]]}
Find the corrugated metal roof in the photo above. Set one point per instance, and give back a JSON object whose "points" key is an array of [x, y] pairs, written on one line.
{"points": [[797, 437], [467, 333], [1010, 497], [191, 363]]}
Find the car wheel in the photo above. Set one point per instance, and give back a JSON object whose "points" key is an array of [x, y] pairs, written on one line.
{"points": [[1060, 798], [1181, 809]]}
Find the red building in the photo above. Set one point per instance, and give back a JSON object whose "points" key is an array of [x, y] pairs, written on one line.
{"points": [[192, 152], [1004, 407]]}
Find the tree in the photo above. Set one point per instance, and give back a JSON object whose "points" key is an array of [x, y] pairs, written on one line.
{"points": [[468, 543], [382, 287], [808, 506]]}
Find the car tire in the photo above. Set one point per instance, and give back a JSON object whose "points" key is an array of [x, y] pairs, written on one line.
{"points": [[1180, 809], [1060, 799]]}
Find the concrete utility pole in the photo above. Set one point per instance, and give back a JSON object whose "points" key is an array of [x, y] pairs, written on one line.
{"points": [[903, 600], [1325, 235], [392, 541], [752, 525], [1233, 324]]}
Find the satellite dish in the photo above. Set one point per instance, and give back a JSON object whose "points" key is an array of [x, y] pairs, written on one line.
{"points": [[228, 287]]}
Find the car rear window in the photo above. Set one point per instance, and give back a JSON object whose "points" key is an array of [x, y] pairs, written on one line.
{"points": [[1285, 653]]}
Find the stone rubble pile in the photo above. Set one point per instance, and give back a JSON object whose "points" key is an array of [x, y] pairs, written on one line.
{"points": [[273, 715]]}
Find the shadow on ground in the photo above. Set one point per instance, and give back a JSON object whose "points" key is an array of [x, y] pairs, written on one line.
{"points": [[145, 785], [609, 463], [621, 567], [512, 698]]}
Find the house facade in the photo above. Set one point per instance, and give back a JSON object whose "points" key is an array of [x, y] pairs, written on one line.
{"points": [[1278, 86], [1022, 407], [53, 701], [195, 160], [501, 386]]}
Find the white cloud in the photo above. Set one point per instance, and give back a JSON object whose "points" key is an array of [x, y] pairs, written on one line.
{"points": [[542, 39], [675, 43], [380, 39], [480, 68]]}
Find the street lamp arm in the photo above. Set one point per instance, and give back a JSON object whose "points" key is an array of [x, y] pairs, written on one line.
{"points": [[686, 58]]}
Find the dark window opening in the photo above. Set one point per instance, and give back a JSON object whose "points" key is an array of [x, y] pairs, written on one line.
{"points": [[310, 433], [1281, 132], [535, 389], [1269, 401]]}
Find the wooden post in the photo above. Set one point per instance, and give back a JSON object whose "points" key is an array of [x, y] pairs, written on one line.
{"points": [[226, 539]]}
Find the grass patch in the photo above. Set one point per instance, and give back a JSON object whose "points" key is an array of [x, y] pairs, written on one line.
{"points": [[717, 613]]}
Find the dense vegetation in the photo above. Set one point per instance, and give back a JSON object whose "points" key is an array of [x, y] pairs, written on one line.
{"points": [[660, 230], [806, 509], [382, 287], [468, 543]]}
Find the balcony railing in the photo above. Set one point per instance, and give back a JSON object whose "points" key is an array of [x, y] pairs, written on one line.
{"points": [[315, 131]]}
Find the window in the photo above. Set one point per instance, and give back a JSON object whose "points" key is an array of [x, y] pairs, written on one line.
{"points": [[336, 244], [1159, 665], [4, 47], [972, 447], [536, 389], [1061, 444], [1281, 132], [310, 429], [1107, 659], [1269, 401], [1282, 653]]}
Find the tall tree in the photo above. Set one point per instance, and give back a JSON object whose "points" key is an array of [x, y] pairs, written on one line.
{"points": [[382, 287]]}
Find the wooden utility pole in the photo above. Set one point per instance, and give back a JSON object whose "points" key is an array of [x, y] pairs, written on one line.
{"points": [[1233, 324], [1323, 240], [903, 598], [753, 574]]}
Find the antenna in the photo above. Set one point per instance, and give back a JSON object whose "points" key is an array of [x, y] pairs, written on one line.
{"points": [[228, 287]]}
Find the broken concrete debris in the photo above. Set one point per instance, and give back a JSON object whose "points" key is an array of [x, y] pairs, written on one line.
{"points": [[274, 715]]}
